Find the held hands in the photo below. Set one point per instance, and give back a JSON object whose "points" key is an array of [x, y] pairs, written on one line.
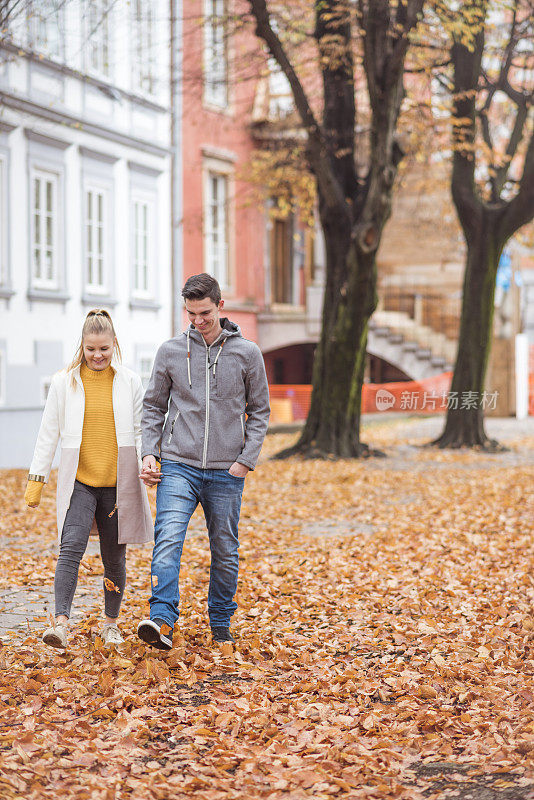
{"points": [[238, 470], [150, 472], [151, 475]]}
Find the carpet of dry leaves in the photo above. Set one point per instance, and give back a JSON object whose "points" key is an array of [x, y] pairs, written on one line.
{"points": [[384, 624]]}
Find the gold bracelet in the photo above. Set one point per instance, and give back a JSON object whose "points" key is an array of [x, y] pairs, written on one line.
{"points": [[37, 478]]}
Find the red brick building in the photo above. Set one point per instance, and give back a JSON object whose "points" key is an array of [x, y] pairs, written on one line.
{"points": [[223, 226]]}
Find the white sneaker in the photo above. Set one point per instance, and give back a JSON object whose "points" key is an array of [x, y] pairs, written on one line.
{"points": [[111, 635], [56, 636]]}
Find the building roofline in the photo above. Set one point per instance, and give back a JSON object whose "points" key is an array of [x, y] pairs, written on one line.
{"points": [[106, 87], [19, 103]]}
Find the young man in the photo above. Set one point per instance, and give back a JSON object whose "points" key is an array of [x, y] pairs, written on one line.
{"points": [[211, 384]]}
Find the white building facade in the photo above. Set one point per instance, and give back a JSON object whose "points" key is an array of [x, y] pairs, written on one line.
{"points": [[85, 192]]}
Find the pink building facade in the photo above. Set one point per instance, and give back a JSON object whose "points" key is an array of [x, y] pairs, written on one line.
{"points": [[223, 223]]}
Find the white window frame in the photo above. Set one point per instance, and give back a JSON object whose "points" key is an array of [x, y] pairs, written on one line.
{"points": [[281, 103], [91, 239], [216, 84], [98, 27], [46, 25], [145, 356], [144, 56], [38, 281], [143, 289], [217, 236]]}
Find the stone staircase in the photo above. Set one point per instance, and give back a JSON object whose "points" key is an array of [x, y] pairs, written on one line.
{"points": [[424, 350]]}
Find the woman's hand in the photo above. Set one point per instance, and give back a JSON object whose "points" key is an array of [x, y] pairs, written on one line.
{"points": [[32, 495]]}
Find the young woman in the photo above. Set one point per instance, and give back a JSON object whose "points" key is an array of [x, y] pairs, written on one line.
{"points": [[94, 409]]}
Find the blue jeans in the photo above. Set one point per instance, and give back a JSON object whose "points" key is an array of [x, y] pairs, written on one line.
{"points": [[181, 489]]}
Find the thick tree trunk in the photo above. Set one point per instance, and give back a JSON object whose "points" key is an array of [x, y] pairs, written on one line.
{"points": [[353, 208], [333, 424], [464, 426]]}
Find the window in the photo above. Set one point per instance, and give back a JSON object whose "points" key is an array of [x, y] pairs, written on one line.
{"points": [[45, 22], [215, 54], [95, 240], [216, 227], [282, 260], [143, 247], [280, 94], [144, 56], [145, 368], [44, 187], [98, 36], [143, 242]]}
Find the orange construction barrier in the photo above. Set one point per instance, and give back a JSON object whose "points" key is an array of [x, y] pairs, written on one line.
{"points": [[428, 396], [298, 395]]}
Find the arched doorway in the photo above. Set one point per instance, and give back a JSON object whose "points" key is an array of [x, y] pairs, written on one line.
{"points": [[293, 364]]}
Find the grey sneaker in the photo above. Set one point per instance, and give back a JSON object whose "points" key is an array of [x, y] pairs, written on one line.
{"points": [[111, 635], [56, 636]]}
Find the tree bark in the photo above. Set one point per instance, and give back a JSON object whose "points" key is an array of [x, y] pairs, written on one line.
{"points": [[464, 426], [487, 226], [333, 424], [353, 208]]}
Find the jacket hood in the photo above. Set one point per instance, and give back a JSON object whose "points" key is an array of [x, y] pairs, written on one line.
{"points": [[228, 329]]}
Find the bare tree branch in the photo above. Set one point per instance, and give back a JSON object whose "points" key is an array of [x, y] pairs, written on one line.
{"points": [[516, 137], [317, 146], [333, 34], [467, 66], [520, 209]]}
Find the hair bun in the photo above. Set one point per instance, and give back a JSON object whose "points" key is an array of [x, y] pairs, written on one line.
{"points": [[98, 312]]}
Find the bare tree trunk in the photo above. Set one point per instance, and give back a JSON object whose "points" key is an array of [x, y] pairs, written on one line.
{"points": [[487, 226], [333, 423], [353, 208], [465, 417]]}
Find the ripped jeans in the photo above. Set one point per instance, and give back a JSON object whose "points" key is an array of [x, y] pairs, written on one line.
{"points": [[181, 489], [86, 504]]}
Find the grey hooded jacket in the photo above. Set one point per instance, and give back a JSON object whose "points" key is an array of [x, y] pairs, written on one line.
{"points": [[217, 399]]}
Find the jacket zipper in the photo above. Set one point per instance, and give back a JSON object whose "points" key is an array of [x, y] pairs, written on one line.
{"points": [[242, 427], [172, 426], [207, 424]]}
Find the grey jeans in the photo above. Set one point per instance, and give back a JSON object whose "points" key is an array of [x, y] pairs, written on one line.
{"points": [[88, 503]]}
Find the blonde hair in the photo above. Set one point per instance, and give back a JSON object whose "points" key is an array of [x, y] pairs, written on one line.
{"points": [[97, 321]]}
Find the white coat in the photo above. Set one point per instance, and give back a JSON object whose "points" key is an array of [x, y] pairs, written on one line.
{"points": [[63, 421]]}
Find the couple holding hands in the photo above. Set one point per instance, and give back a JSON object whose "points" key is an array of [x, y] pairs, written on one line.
{"points": [[196, 433]]}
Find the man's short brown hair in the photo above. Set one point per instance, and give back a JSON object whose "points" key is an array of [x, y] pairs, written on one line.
{"points": [[197, 287]]}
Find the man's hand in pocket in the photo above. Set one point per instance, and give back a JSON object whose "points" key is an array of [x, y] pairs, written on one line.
{"points": [[238, 470]]}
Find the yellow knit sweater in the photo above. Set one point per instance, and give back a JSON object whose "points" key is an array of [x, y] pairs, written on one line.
{"points": [[98, 451], [97, 465]]}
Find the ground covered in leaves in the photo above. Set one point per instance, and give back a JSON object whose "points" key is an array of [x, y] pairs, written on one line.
{"points": [[384, 651]]}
